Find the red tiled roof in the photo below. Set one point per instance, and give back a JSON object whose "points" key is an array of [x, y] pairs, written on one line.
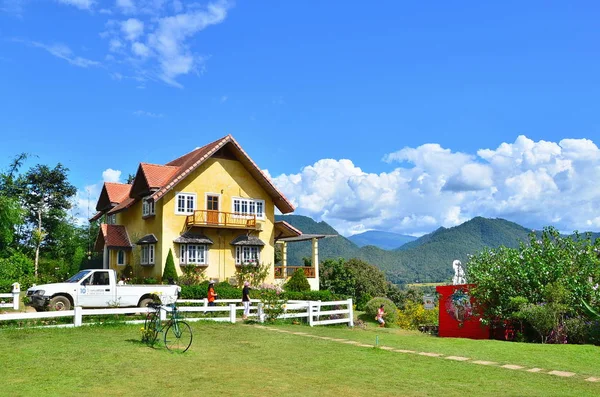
{"points": [[165, 177], [128, 202], [157, 175], [190, 161], [113, 236], [117, 191], [97, 216]]}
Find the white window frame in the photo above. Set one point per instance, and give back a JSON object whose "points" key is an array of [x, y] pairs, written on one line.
{"points": [[250, 205], [147, 254], [247, 253], [186, 249], [147, 207], [186, 196], [123, 262]]}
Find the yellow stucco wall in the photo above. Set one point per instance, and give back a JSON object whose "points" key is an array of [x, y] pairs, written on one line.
{"points": [[223, 177], [230, 177]]}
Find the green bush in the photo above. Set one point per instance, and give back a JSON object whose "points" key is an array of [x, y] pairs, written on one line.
{"points": [[15, 268], [170, 273], [391, 311], [323, 295], [298, 282], [577, 330]]}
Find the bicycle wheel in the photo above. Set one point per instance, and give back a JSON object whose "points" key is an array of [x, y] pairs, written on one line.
{"points": [[178, 336], [150, 329]]}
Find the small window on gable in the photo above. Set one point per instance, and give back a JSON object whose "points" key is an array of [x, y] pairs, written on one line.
{"points": [[147, 207]]}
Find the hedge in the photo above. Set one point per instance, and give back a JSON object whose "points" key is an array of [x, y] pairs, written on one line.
{"points": [[227, 291]]}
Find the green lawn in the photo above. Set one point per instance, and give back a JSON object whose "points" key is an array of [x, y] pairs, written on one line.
{"points": [[227, 359]]}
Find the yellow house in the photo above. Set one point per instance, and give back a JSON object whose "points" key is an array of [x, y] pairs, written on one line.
{"points": [[213, 207]]}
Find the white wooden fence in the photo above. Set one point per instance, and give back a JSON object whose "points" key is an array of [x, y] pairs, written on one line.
{"points": [[293, 309], [14, 295]]}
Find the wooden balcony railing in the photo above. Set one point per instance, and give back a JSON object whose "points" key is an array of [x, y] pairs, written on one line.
{"points": [[221, 219], [309, 272]]}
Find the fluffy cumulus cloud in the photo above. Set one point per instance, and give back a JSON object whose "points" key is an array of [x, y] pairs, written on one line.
{"points": [[160, 33], [81, 4], [532, 183], [110, 175]]}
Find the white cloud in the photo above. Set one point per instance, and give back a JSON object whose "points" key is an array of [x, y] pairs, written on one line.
{"points": [[63, 52], [110, 175], [81, 4], [132, 28], [140, 49], [143, 113], [115, 45], [126, 6], [531, 183]]}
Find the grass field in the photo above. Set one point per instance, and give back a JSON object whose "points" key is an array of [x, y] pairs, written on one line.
{"points": [[228, 359]]}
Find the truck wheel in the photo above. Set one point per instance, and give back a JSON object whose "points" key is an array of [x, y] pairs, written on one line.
{"points": [[144, 302], [59, 303]]}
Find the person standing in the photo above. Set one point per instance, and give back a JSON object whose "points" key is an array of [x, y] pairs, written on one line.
{"points": [[246, 299], [212, 295], [380, 314]]}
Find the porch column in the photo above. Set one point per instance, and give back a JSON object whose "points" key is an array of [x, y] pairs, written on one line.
{"points": [[315, 257], [284, 259], [106, 258]]}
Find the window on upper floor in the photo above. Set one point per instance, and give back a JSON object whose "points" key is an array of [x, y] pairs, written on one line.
{"points": [[111, 219], [147, 207], [249, 207], [185, 203], [246, 254], [147, 254], [193, 254]]}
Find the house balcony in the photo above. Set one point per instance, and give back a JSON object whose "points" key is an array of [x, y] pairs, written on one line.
{"points": [[287, 271], [219, 219]]}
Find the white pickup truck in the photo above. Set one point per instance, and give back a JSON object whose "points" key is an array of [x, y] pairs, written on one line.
{"points": [[97, 288]]}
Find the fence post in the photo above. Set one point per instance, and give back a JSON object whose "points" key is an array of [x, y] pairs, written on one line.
{"points": [[162, 314], [78, 320], [260, 312], [310, 313], [350, 314], [232, 313], [205, 302], [16, 295]]}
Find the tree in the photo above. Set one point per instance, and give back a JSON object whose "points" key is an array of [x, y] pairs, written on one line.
{"points": [[298, 282], [46, 200], [370, 281], [170, 273], [11, 213], [504, 274]]}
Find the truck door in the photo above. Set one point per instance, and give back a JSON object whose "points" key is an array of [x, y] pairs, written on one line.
{"points": [[96, 291]]}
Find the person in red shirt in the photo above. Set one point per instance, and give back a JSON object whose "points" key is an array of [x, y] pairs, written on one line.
{"points": [[212, 295], [380, 314]]}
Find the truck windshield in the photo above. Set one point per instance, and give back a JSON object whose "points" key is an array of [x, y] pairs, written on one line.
{"points": [[76, 278]]}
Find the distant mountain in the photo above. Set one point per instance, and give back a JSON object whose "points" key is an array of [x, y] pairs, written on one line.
{"points": [[426, 259], [383, 240]]}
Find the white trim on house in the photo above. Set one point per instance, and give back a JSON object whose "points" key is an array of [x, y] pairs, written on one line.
{"points": [[247, 253], [193, 254], [148, 206], [186, 203], [247, 207], [147, 254]]}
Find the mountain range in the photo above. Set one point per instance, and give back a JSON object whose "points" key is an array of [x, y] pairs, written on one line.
{"points": [[426, 259], [383, 240]]}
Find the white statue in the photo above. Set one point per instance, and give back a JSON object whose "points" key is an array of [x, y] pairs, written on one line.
{"points": [[459, 273]]}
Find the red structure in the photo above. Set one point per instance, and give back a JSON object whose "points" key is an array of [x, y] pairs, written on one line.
{"points": [[458, 315]]}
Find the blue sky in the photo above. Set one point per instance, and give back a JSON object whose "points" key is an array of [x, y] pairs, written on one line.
{"points": [[391, 116]]}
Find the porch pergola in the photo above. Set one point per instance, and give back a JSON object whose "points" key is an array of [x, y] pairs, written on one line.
{"points": [[286, 233]]}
